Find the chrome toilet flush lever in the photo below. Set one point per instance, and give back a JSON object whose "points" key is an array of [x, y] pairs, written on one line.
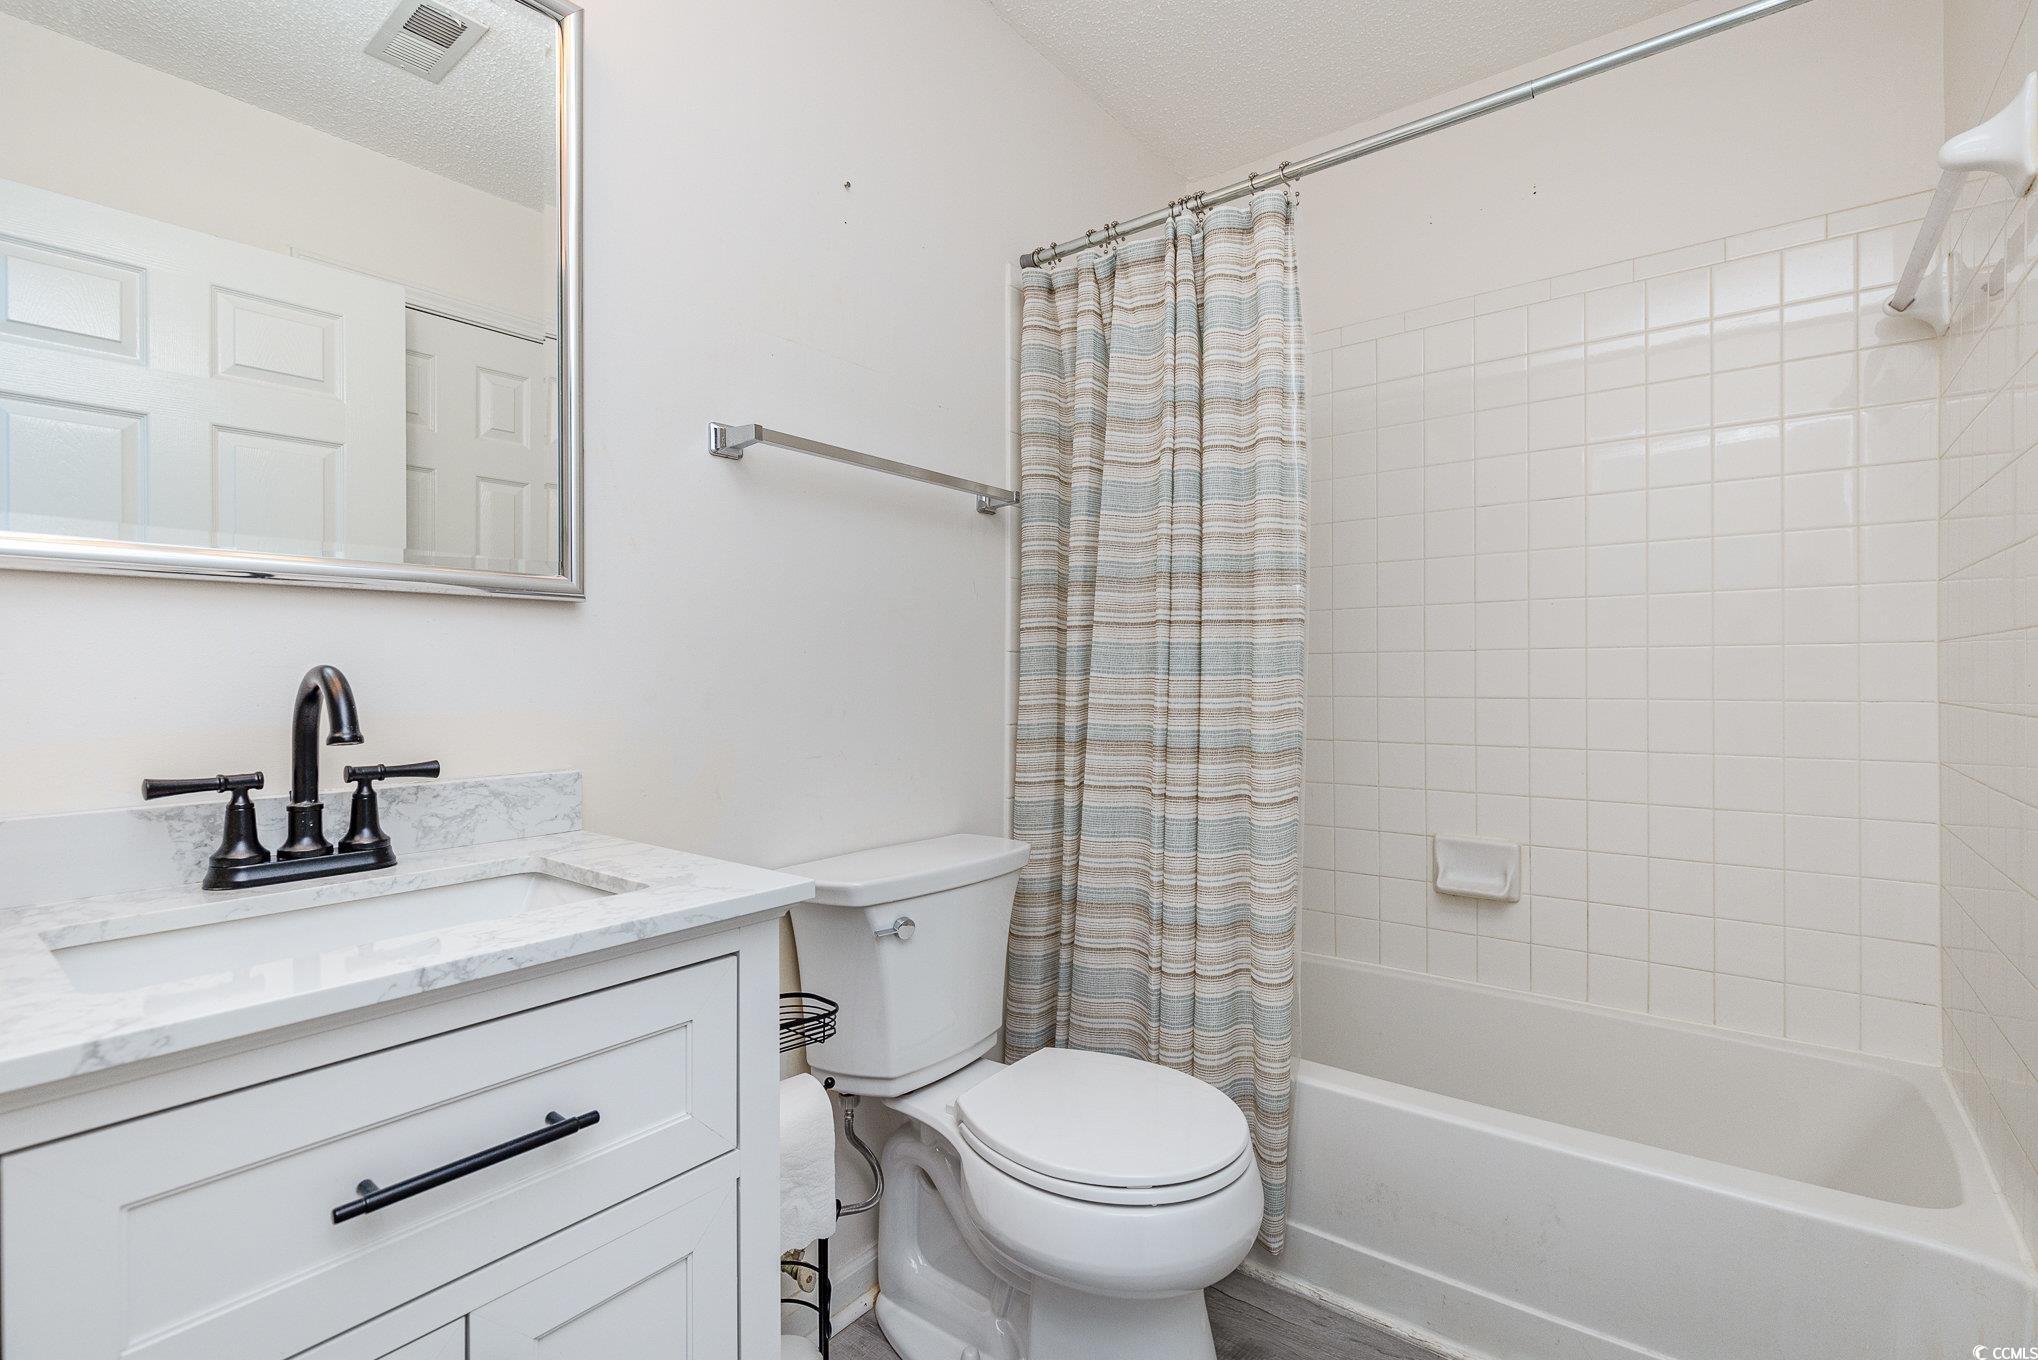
{"points": [[902, 929], [241, 861]]}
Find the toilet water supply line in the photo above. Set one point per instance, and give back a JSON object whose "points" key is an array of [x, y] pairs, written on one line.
{"points": [[793, 1264], [877, 1172]]}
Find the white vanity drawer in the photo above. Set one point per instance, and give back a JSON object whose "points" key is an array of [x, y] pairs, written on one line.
{"points": [[208, 1231]]}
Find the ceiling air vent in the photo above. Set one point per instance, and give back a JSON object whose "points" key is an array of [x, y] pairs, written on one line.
{"points": [[425, 39]]}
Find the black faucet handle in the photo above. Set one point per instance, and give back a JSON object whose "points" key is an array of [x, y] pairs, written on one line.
{"points": [[368, 774], [239, 846], [364, 831], [218, 783]]}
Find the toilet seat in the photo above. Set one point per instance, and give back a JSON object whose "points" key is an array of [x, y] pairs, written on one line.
{"points": [[1106, 1130], [1145, 1196]]}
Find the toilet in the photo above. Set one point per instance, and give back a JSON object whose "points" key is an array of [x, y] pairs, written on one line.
{"points": [[1069, 1206]]}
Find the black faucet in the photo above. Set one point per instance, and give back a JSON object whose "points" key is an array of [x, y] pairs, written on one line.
{"points": [[240, 861], [307, 814]]}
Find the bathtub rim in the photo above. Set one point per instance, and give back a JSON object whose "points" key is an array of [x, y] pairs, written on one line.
{"points": [[1978, 1229]]}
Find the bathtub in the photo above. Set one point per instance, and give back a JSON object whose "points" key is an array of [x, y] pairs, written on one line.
{"points": [[1534, 1180]]}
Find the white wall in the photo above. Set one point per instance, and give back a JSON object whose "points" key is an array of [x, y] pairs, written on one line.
{"points": [[1988, 731], [1829, 105], [85, 122], [1984, 40], [779, 658]]}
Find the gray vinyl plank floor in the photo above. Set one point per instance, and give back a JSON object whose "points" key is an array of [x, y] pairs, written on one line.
{"points": [[1253, 1321]]}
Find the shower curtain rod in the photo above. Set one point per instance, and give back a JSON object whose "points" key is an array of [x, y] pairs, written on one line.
{"points": [[1408, 132]]}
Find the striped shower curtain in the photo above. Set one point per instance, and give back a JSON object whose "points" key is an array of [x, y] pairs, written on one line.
{"points": [[1159, 761]]}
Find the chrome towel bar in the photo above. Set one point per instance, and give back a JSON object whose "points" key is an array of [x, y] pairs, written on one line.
{"points": [[729, 441]]}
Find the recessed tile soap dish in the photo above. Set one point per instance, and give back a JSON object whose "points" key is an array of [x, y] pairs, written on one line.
{"points": [[1469, 866]]}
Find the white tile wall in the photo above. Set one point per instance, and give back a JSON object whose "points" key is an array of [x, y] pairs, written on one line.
{"points": [[1988, 662], [1636, 567]]}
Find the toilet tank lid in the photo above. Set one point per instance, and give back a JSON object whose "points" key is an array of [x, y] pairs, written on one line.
{"points": [[892, 873]]}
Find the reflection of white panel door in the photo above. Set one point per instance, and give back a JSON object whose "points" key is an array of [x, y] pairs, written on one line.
{"points": [[164, 385], [665, 1291], [484, 447]]}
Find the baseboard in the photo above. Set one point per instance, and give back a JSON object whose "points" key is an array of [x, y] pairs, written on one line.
{"points": [[854, 1309], [855, 1284]]}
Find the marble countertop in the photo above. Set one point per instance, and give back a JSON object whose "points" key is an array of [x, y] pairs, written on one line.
{"points": [[65, 1012]]}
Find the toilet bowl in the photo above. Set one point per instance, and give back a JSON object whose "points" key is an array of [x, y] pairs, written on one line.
{"points": [[1078, 1270], [1069, 1206]]}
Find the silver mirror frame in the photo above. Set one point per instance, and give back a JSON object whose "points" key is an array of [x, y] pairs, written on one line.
{"points": [[51, 552]]}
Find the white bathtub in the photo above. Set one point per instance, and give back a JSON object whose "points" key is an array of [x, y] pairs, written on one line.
{"points": [[1533, 1180]]}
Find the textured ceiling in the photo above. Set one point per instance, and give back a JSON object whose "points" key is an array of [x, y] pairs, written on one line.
{"points": [[490, 124], [1214, 84]]}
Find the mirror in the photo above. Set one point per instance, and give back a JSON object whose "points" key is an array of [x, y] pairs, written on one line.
{"points": [[289, 291]]}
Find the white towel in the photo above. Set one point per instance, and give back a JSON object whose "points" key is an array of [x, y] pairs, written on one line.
{"points": [[806, 1162]]}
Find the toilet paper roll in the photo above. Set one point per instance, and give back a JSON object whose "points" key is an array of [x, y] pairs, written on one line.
{"points": [[806, 1162]]}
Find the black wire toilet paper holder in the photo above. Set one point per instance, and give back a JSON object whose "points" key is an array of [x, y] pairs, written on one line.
{"points": [[804, 1019]]}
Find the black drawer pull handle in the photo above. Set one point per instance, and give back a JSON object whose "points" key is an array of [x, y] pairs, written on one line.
{"points": [[375, 1197]]}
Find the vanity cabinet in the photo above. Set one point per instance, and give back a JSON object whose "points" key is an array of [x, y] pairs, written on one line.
{"points": [[233, 1224], [664, 1291], [660, 1283], [444, 1343]]}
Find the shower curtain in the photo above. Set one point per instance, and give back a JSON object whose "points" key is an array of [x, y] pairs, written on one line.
{"points": [[1158, 771]]}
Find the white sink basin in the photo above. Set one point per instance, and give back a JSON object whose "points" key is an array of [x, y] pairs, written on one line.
{"points": [[327, 938]]}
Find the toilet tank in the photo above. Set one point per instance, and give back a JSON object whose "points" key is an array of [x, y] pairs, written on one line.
{"points": [[922, 1000]]}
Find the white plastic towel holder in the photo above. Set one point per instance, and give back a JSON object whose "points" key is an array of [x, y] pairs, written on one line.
{"points": [[2005, 145]]}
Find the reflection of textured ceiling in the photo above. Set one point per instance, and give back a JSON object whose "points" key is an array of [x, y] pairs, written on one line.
{"points": [[1212, 84], [490, 124]]}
